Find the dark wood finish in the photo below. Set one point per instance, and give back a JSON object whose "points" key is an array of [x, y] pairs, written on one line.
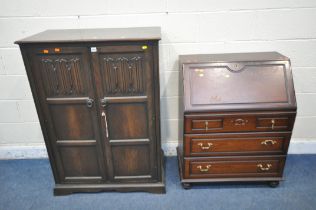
{"points": [[97, 98], [238, 114]]}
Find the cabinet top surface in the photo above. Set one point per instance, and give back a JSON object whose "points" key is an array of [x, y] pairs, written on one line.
{"points": [[94, 35], [232, 57]]}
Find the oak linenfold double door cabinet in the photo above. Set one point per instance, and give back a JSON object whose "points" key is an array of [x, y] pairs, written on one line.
{"points": [[97, 96], [238, 113]]}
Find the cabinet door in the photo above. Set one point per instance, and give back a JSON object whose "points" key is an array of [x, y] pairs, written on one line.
{"points": [[63, 80], [124, 76]]}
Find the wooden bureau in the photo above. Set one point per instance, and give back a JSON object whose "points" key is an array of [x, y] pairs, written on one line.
{"points": [[238, 113], [97, 97]]}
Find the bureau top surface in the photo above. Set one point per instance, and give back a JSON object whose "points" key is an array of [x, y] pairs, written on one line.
{"points": [[232, 57], [94, 35]]}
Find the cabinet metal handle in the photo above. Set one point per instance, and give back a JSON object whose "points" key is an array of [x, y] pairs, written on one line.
{"points": [[272, 124], [268, 142], [206, 169], [262, 168], [89, 102], [205, 147], [106, 124], [206, 125], [239, 122]]}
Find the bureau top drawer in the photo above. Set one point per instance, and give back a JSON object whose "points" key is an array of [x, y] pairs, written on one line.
{"points": [[238, 122]]}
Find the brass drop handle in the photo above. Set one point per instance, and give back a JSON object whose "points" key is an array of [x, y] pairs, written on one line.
{"points": [[89, 102], [206, 169], [269, 142], [106, 124], [206, 125], [272, 124], [262, 168], [205, 147]]}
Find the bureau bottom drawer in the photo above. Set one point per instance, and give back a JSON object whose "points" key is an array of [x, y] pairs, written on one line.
{"points": [[233, 167]]}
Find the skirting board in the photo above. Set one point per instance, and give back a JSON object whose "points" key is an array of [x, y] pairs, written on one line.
{"points": [[297, 146]]}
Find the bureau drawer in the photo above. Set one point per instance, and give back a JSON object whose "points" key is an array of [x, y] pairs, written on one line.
{"points": [[236, 144], [238, 122], [234, 167]]}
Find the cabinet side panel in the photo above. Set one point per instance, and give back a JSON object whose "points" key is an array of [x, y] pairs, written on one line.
{"points": [[156, 84]]}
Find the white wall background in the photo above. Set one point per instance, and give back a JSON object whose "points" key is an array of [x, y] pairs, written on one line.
{"points": [[188, 26]]}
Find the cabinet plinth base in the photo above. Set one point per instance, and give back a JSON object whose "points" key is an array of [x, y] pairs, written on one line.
{"points": [[66, 189]]}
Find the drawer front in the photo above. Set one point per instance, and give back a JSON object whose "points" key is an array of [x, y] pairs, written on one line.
{"points": [[234, 167], [239, 122], [237, 144]]}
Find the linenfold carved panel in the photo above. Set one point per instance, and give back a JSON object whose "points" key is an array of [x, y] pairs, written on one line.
{"points": [[123, 75], [62, 76]]}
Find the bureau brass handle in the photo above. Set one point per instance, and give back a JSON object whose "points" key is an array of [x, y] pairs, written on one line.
{"points": [[262, 168], [204, 169], [89, 102], [268, 142], [206, 125], [106, 124], [205, 147], [239, 121], [272, 124]]}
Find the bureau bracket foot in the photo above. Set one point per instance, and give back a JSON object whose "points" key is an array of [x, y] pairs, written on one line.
{"points": [[186, 186], [274, 184]]}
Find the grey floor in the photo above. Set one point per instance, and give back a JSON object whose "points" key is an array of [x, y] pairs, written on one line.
{"points": [[27, 184]]}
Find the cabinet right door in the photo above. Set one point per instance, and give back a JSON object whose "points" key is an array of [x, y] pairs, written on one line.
{"points": [[124, 82]]}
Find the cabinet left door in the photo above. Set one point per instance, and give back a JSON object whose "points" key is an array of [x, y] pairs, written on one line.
{"points": [[63, 82]]}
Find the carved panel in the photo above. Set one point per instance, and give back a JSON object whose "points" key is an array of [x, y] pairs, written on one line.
{"points": [[62, 76], [123, 75]]}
